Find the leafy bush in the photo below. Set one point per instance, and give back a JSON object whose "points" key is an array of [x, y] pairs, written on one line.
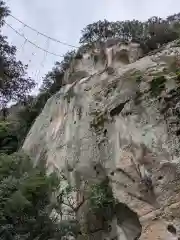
{"points": [[25, 200], [157, 85], [101, 200], [8, 138]]}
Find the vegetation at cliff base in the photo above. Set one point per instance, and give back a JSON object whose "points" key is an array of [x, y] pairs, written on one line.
{"points": [[25, 193], [30, 208]]}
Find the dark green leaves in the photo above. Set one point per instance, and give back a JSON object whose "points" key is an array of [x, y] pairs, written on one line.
{"points": [[25, 199]]}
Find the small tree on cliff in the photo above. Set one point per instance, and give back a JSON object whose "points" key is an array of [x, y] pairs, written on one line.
{"points": [[98, 31], [153, 32], [53, 80]]}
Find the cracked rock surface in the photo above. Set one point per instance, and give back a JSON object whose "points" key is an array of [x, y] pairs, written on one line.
{"points": [[122, 124]]}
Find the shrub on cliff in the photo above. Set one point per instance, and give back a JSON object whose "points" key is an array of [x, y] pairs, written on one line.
{"points": [[101, 200]]}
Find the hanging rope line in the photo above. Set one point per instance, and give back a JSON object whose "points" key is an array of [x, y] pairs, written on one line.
{"points": [[45, 49], [32, 43], [45, 53], [42, 34]]}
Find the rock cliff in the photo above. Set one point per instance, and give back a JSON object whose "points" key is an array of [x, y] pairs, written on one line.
{"points": [[118, 118]]}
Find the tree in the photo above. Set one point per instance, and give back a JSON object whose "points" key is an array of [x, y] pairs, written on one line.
{"points": [[65, 63], [4, 12], [53, 80], [98, 31], [161, 31], [153, 33], [25, 200], [17, 129], [8, 138], [14, 82]]}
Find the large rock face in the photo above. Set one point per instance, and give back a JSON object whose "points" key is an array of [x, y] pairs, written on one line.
{"points": [[120, 121]]}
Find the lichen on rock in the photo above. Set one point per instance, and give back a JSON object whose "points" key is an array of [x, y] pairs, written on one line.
{"points": [[103, 119]]}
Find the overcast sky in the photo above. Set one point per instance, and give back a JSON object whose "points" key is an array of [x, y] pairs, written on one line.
{"points": [[64, 20]]}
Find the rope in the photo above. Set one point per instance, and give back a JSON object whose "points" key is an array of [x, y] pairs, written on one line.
{"points": [[32, 43], [42, 34]]}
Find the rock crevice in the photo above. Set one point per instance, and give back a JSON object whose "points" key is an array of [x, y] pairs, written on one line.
{"points": [[107, 118]]}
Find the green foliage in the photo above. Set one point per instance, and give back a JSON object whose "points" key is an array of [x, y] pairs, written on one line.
{"points": [[25, 200], [138, 78], [4, 12], [98, 31], [27, 115], [14, 129], [8, 138], [14, 82], [26, 191], [14, 86], [54, 79], [101, 200], [178, 76], [98, 121], [68, 57], [157, 85], [150, 34]]}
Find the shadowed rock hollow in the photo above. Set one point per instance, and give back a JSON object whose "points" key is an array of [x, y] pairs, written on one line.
{"points": [[118, 117]]}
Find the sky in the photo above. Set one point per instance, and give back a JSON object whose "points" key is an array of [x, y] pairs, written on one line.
{"points": [[64, 20]]}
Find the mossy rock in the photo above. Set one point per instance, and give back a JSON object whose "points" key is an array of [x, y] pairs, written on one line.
{"points": [[98, 122], [99, 119], [177, 43], [139, 78], [133, 75], [157, 85], [178, 76]]}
